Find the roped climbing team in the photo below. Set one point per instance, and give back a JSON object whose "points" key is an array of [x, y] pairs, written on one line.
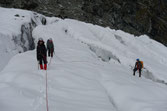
{"points": [[42, 55], [42, 52]]}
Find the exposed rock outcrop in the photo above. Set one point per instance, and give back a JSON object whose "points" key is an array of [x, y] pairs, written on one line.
{"points": [[133, 16], [25, 39]]}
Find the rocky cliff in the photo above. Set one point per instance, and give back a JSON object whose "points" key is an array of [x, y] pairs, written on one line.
{"points": [[133, 16]]}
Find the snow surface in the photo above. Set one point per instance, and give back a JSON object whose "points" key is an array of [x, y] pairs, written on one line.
{"points": [[90, 71], [11, 21]]}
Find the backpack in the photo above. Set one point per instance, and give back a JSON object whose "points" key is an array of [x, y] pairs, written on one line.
{"points": [[139, 65], [142, 64]]}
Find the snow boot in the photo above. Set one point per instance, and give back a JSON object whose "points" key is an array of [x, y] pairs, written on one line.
{"points": [[45, 66], [139, 74], [41, 66]]}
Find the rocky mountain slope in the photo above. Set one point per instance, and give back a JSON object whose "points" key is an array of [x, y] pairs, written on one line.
{"points": [[133, 16]]}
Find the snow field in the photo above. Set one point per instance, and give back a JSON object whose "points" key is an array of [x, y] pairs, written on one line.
{"points": [[90, 71]]}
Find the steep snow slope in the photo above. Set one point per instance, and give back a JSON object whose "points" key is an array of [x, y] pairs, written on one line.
{"points": [[16, 32], [119, 50], [90, 71]]}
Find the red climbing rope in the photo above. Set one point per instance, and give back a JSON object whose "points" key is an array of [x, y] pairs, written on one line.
{"points": [[47, 104]]}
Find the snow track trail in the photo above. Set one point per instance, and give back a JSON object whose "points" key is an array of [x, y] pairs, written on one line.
{"points": [[46, 96], [80, 95]]}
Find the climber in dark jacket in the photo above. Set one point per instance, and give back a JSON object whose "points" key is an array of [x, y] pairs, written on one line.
{"points": [[138, 66], [50, 47], [41, 54]]}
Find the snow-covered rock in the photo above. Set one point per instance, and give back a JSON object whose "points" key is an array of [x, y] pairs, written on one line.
{"points": [[16, 32]]}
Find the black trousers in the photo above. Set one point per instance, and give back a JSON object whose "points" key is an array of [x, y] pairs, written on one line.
{"points": [[50, 52], [135, 69], [42, 60]]}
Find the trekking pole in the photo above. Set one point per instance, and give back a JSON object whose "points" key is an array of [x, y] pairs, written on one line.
{"points": [[38, 65], [50, 61], [59, 58]]}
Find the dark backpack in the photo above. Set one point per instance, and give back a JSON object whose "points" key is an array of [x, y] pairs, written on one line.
{"points": [[140, 66]]}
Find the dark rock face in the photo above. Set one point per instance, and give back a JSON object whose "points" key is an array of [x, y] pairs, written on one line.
{"points": [[133, 16]]}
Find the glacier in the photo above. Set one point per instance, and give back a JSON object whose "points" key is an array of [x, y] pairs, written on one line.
{"points": [[92, 70]]}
